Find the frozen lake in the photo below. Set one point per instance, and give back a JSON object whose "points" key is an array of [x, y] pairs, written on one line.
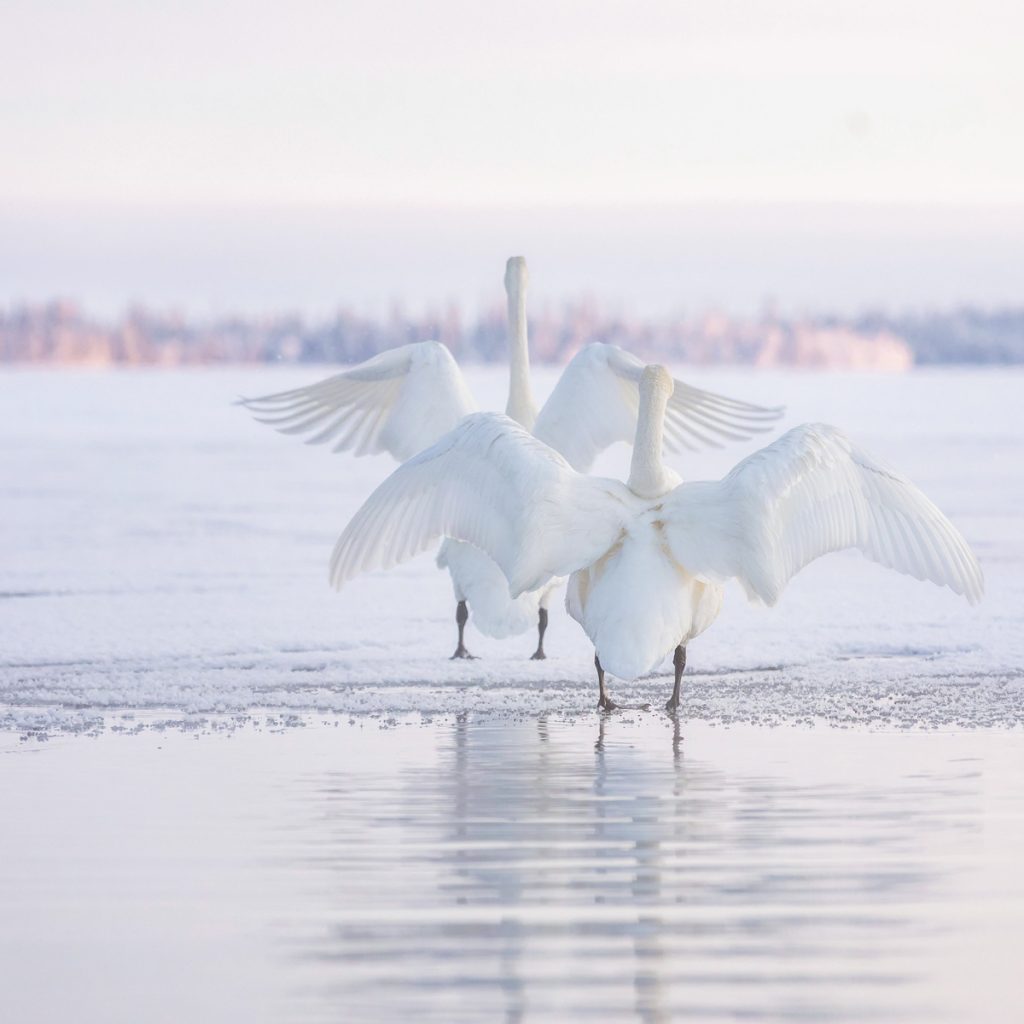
{"points": [[229, 793]]}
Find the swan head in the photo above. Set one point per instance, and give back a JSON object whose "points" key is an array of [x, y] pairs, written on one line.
{"points": [[656, 380], [515, 273]]}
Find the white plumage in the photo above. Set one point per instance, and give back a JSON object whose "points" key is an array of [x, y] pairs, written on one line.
{"points": [[403, 400], [812, 492], [477, 580], [491, 484], [648, 559], [389, 403], [595, 403]]}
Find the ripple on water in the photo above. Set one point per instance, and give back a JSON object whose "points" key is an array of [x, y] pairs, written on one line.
{"points": [[532, 872]]}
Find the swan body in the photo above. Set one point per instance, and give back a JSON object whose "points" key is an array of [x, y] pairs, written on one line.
{"points": [[477, 580], [667, 605], [648, 560], [404, 400]]}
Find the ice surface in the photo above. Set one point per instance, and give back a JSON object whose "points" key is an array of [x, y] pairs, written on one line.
{"points": [[161, 551]]}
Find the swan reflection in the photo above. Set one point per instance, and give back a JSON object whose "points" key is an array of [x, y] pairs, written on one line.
{"points": [[533, 873]]}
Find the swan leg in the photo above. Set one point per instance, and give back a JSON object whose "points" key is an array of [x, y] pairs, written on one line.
{"points": [[542, 625], [461, 618], [604, 702], [679, 661]]}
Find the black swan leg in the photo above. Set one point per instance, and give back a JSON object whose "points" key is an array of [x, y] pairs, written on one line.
{"points": [[542, 626], [461, 618], [679, 661]]}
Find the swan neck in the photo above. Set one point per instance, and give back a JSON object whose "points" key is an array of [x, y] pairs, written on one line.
{"points": [[647, 477], [520, 406]]}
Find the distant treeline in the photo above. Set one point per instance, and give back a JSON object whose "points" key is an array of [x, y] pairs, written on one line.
{"points": [[59, 332], [962, 336]]}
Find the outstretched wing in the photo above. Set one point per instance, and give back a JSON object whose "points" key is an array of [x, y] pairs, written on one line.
{"points": [[494, 485], [595, 404], [811, 492], [400, 402]]}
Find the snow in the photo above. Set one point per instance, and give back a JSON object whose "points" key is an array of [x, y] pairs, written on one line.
{"points": [[160, 551]]}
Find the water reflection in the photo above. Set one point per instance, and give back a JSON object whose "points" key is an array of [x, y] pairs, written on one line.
{"points": [[529, 873]]}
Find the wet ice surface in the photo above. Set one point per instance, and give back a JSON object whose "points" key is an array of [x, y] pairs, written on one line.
{"points": [[161, 551], [478, 868]]}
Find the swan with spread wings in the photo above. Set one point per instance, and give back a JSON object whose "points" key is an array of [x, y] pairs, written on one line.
{"points": [[648, 559], [403, 400]]}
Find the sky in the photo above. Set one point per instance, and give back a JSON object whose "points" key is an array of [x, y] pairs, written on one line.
{"points": [[219, 111]]}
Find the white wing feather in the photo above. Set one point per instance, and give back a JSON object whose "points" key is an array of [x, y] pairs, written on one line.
{"points": [[595, 403], [399, 402], [811, 492], [492, 484]]}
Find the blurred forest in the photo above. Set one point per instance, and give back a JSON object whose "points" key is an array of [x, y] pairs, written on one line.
{"points": [[62, 333]]}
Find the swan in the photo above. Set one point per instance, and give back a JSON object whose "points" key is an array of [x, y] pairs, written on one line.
{"points": [[648, 559], [403, 400]]}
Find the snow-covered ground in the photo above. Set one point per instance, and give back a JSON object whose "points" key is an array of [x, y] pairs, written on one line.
{"points": [[161, 551]]}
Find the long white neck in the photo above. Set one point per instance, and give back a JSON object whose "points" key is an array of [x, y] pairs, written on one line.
{"points": [[647, 476], [520, 406]]}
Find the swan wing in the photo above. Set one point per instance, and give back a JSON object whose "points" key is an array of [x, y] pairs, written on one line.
{"points": [[811, 492], [492, 484], [400, 401], [595, 403]]}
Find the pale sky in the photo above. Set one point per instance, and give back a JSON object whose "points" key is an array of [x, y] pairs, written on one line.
{"points": [[526, 102]]}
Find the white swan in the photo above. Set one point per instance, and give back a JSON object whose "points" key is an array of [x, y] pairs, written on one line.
{"points": [[648, 559], [404, 399]]}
